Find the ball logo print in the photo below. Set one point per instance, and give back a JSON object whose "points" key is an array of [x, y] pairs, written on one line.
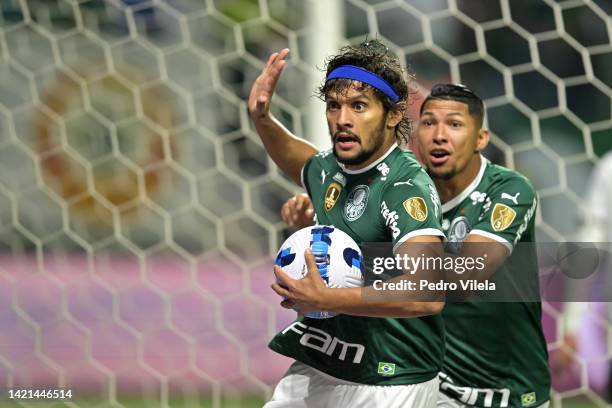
{"points": [[319, 245], [337, 255], [285, 257]]}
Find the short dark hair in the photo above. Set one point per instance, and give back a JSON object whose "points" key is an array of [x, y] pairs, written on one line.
{"points": [[459, 93], [375, 57]]}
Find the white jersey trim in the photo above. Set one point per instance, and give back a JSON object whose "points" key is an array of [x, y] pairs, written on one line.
{"points": [[412, 234], [455, 201], [494, 237], [370, 166], [302, 179]]}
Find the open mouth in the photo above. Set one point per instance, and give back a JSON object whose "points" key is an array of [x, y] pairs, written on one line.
{"points": [[439, 156], [345, 141]]}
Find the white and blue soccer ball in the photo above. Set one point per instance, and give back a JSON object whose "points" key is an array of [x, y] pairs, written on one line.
{"points": [[337, 255]]}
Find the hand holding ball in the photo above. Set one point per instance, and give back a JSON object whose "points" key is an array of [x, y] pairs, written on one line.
{"points": [[337, 256]]}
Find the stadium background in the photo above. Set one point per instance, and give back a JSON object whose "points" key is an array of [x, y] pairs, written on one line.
{"points": [[138, 209]]}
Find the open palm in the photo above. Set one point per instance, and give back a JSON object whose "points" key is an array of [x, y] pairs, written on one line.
{"points": [[265, 84]]}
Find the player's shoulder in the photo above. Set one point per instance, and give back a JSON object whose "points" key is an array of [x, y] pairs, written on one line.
{"points": [[409, 179], [500, 177], [403, 166], [324, 159]]}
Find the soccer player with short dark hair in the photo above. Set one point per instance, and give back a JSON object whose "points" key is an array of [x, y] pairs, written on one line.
{"points": [[375, 192], [495, 351]]}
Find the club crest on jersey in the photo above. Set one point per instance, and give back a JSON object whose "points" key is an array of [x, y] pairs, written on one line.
{"points": [[356, 202], [457, 233], [331, 195], [501, 217], [416, 208], [459, 229]]}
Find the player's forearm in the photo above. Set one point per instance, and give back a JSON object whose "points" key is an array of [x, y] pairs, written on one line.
{"points": [[377, 302], [486, 255], [288, 151], [367, 302]]}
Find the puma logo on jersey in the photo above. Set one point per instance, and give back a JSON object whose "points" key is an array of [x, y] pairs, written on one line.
{"points": [[513, 198], [399, 183]]}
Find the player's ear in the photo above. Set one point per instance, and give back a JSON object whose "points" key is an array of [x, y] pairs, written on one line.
{"points": [[482, 140], [395, 116]]}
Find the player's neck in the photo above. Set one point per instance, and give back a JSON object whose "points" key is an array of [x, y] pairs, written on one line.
{"points": [[451, 188]]}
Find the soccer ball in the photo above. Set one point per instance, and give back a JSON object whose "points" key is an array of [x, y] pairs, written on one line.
{"points": [[338, 258]]}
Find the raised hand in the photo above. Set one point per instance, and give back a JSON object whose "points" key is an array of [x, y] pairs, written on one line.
{"points": [[265, 84], [297, 212]]}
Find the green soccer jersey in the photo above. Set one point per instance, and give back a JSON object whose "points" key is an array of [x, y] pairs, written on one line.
{"points": [[391, 201], [495, 352]]}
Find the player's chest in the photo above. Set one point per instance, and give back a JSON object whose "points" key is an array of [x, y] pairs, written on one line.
{"points": [[459, 221], [351, 206]]}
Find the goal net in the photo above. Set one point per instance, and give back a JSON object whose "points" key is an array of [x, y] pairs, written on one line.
{"points": [[139, 211]]}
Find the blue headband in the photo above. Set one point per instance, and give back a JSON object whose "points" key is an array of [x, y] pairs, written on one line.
{"points": [[365, 76]]}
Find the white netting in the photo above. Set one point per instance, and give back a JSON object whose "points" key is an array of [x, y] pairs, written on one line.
{"points": [[138, 209]]}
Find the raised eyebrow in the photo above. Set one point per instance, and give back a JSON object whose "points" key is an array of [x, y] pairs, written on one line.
{"points": [[357, 98], [361, 96]]}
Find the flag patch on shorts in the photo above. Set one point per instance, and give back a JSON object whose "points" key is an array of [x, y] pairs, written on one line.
{"points": [[528, 399], [386, 368]]}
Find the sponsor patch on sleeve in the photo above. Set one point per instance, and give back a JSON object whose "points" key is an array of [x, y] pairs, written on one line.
{"points": [[501, 217], [416, 208]]}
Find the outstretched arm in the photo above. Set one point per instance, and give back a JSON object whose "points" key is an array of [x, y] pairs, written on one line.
{"points": [[288, 151]]}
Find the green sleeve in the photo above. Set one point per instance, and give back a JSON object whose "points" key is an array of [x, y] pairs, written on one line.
{"points": [[509, 213], [409, 209]]}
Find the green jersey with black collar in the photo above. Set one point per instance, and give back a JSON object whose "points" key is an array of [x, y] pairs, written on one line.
{"points": [[391, 200]]}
